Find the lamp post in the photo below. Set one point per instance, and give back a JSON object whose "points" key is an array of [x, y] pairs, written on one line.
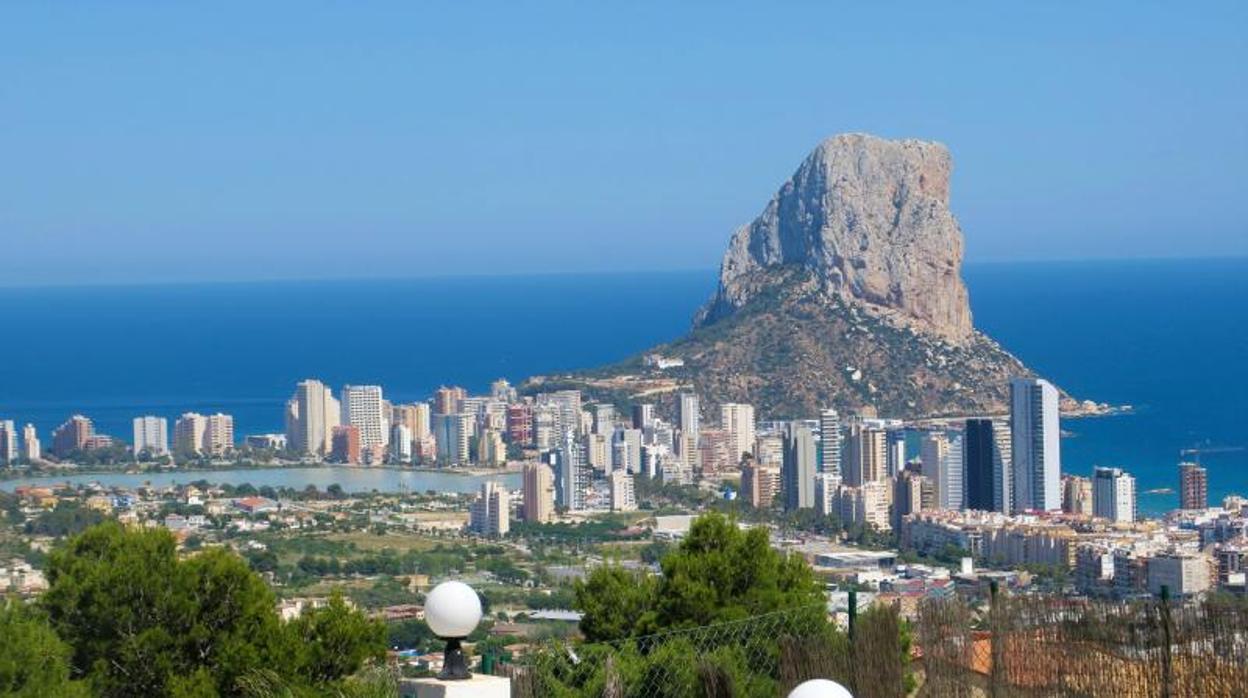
{"points": [[452, 611]]}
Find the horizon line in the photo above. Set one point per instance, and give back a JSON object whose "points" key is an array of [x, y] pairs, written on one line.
{"points": [[537, 273]]}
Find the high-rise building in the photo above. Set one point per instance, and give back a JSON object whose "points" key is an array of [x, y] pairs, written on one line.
{"points": [[346, 444], [867, 505], [1035, 437], [565, 407], [896, 447], [219, 434], [1193, 486], [798, 469], [986, 451], [1113, 495], [72, 436], [942, 465], [866, 459], [769, 449], [830, 442], [491, 511], [32, 450], [714, 452], [689, 417], [572, 474], [602, 452], [188, 434], [759, 484], [362, 408], [9, 440], [643, 415], [453, 433], [446, 400], [546, 427], [623, 498], [415, 417], [401, 443], [626, 454], [827, 487], [502, 391], [912, 493], [604, 419], [539, 493], [491, 451], [1076, 495], [520, 424], [311, 415], [151, 435], [737, 420]]}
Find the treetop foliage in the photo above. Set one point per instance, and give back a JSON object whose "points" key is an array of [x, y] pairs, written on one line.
{"points": [[718, 573], [125, 616]]}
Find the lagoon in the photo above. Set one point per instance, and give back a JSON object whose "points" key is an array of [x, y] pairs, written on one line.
{"points": [[351, 479]]}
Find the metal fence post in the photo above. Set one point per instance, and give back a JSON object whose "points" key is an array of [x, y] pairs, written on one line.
{"points": [[1167, 639], [853, 611], [996, 641]]}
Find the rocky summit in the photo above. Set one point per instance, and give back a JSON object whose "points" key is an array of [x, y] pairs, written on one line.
{"points": [[846, 291], [869, 219]]}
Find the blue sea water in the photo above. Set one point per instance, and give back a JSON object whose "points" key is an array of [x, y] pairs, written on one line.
{"points": [[1167, 337]]}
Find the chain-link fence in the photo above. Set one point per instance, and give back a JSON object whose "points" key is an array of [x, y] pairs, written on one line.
{"points": [[1024, 646], [760, 656], [1053, 646]]}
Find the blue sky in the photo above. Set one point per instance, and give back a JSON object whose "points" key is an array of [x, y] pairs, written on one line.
{"points": [[144, 141]]}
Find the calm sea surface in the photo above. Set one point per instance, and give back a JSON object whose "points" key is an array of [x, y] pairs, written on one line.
{"points": [[1169, 337]]}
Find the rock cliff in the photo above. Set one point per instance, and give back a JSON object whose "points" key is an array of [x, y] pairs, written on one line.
{"points": [[870, 219]]}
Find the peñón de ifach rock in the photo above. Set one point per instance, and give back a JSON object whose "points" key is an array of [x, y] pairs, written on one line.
{"points": [[870, 219], [846, 291]]}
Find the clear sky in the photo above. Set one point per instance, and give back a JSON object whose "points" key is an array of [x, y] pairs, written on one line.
{"points": [[150, 140]]}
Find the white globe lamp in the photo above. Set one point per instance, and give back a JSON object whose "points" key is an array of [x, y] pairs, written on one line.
{"points": [[452, 611], [820, 688]]}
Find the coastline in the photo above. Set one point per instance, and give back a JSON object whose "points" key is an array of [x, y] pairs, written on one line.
{"points": [[53, 474]]}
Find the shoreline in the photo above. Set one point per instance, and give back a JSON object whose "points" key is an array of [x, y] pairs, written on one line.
{"points": [[52, 475]]}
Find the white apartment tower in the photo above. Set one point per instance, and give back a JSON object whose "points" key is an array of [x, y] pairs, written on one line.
{"points": [[942, 465], [151, 434], [1113, 495], [830, 442], [737, 419], [362, 409], [623, 498], [491, 511], [8, 442], [689, 420], [32, 450], [1035, 438]]}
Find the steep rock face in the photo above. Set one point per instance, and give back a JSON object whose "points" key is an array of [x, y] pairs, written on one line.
{"points": [[870, 219], [846, 292]]}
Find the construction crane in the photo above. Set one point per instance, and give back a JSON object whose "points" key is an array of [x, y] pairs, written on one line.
{"points": [[1197, 451]]}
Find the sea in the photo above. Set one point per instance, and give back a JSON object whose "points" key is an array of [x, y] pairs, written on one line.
{"points": [[1167, 337]]}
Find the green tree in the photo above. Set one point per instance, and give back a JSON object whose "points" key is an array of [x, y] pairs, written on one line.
{"points": [[335, 641], [613, 600], [721, 573], [141, 622], [65, 519], [33, 660], [718, 573]]}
